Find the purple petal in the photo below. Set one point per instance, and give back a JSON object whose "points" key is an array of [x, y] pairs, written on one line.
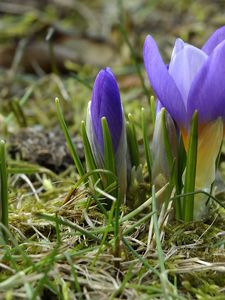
{"points": [[162, 83], [183, 67], [207, 93], [178, 46], [106, 103], [215, 39], [158, 107]]}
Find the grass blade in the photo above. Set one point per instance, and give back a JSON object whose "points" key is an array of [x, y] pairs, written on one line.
{"points": [[70, 144], [4, 186], [90, 162], [132, 142], [152, 109], [146, 143], [163, 274]]}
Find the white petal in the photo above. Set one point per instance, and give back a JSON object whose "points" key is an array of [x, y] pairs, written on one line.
{"points": [[183, 67], [179, 45], [160, 169]]}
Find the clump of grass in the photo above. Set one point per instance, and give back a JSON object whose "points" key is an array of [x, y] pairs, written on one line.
{"points": [[61, 243]]}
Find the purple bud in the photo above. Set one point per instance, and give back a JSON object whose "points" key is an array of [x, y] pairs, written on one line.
{"points": [[106, 103]]}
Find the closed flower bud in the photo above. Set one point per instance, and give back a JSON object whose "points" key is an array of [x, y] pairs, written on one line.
{"points": [[106, 103]]}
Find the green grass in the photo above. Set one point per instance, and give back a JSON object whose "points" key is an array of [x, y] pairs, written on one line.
{"points": [[67, 244]]}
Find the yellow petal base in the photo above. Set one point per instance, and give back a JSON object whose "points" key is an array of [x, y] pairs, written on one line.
{"points": [[209, 142]]}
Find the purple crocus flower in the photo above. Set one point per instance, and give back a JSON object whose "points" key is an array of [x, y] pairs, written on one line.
{"points": [[194, 80], [106, 103]]}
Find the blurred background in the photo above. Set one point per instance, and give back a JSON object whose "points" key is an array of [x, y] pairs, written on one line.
{"points": [[94, 32], [56, 48]]}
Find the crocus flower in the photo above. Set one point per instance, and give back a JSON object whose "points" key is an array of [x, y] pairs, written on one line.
{"points": [[194, 80], [106, 103]]}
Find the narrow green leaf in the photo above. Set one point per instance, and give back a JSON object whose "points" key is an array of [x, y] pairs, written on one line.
{"points": [[22, 101], [18, 112], [109, 158], [117, 251], [50, 42], [209, 195], [106, 231], [142, 221], [152, 109], [90, 162], [157, 233], [189, 183], [146, 143], [76, 284], [181, 164], [68, 223], [4, 186], [144, 261], [163, 274], [99, 204], [90, 173], [70, 144], [132, 142], [167, 145], [172, 162]]}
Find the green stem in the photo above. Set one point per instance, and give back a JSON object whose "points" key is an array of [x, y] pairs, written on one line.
{"points": [[51, 50], [163, 275], [109, 158], [189, 183], [146, 143], [132, 142], [70, 144], [4, 186], [90, 162], [172, 162], [152, 109]]}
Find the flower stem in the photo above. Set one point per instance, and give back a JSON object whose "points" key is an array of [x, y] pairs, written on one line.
{"points": [[189, 184], [4, 186]]}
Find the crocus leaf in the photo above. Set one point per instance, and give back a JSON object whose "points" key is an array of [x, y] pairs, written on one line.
{"points": [[132, 142], [154, 108], [189, 184], [4, 215], [146, 143], [109, 158], [122, 162], [70, 144], [90, 162]]}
